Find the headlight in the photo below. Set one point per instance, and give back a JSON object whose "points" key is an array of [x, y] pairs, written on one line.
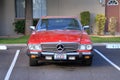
{"points": [[34, 46], [88, 47], [82, 47], [85, 47]]}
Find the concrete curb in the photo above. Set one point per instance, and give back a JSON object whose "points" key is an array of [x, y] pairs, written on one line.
{"points": [[100, 44], [94, 44], [5, 46], [14, 44], [26, 44]]}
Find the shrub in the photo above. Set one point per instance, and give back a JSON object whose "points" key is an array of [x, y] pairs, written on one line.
{"points": [[112, 25], [100, 20], [85, 19], [20, 25]]}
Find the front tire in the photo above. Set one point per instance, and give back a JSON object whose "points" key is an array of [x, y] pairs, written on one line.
{"points": [[87, 62], [33, 62]]}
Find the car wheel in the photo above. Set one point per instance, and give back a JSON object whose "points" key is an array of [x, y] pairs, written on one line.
{"points": [[87, 62], [33, 62]]}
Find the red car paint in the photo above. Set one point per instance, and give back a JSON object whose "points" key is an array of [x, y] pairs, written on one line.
{"points": [[59, 35]]}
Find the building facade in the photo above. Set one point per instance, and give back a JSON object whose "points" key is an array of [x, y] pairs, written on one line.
{"points": [[112, 9], [11, 10]]}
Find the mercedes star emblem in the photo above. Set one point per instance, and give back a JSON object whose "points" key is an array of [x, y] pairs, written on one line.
{"points": [[60, 47]]}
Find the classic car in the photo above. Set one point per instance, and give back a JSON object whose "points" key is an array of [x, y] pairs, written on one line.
{"points": [[59, 39]]}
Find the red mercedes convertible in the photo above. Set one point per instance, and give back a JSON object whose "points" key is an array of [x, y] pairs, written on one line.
{"points": [[59, 39]]}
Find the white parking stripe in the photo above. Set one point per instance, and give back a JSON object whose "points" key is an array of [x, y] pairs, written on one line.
{"points": [[108, 60], [113, 46], [12, 65], [3, 47]]}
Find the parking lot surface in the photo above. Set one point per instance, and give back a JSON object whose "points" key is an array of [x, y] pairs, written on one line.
{"points": [[14, 65]]}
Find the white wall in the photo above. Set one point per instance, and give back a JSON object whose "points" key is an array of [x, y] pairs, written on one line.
{"points": [[54, 7], [1, 16], [74, 7], [8, 15]]}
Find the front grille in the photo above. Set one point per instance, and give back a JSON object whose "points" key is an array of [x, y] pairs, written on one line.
{"points": [[53, 47]]}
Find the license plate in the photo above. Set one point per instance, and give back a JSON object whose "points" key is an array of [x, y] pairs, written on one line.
{"points": [[60, 56]]}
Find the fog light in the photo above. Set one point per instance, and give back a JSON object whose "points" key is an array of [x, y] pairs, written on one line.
{"points": [[33, 56], [72, 58], [48, 58], [87, 57]]}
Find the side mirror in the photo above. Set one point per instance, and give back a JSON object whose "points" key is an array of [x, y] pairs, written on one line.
{"points": [[86, 27], [32, 28]]}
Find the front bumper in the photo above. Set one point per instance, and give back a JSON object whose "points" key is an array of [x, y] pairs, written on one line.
{"points": [[72, 56]]}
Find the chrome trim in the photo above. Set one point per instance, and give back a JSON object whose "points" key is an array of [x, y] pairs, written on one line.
{"points": [[48, 53], [86, 53], [34, 53], [59, 42], [64, 46], [75, 53]]}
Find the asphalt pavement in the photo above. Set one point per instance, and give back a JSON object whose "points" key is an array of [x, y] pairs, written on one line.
{"points": [[14, 65]]}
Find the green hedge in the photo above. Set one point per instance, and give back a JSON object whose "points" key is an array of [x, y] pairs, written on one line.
{"points": [[100, 20], [85, 18], [20, 25], [112, 25]]}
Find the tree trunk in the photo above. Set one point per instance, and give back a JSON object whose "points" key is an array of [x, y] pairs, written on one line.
{"points": [[28, 16]]}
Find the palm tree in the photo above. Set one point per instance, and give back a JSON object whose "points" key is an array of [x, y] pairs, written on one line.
{"points": [[28, 16]]}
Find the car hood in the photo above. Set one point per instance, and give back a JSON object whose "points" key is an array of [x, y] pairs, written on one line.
{"points": [[57, 36]]}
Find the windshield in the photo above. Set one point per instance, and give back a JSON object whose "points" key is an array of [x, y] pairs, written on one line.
{"points": [[59, 23]]}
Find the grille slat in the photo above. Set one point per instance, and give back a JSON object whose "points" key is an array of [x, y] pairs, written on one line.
{"points": [[52, 47]]}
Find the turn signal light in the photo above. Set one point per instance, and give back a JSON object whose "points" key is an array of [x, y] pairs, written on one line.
{"points": [[33, 56], [87, 57]]}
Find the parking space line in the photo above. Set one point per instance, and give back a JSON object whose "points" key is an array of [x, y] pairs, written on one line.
{"points": [[12, 65], [3, 47], [108, 60]]}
